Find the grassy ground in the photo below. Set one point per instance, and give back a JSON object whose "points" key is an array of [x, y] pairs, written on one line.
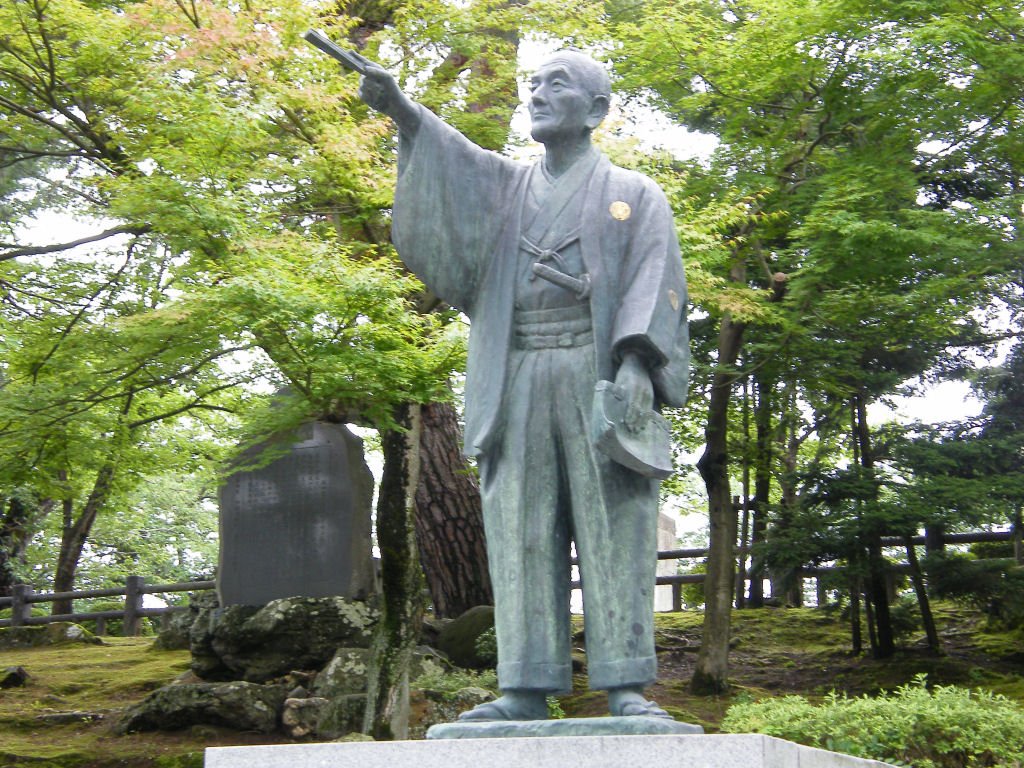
{"points": [[776, 651]]}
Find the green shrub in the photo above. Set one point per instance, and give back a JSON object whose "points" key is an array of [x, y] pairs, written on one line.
{"points": [[993, 586], [486, 647], [946, 727], [905, 618]]}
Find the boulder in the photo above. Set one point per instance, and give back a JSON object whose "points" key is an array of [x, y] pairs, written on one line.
{"points": [[176, 637], [211, 621], [458, 638], [46, 634], [341, 716], [259, 644], [239, 705], [13, 677], [431, 629], [345, 673], [299, 717]]}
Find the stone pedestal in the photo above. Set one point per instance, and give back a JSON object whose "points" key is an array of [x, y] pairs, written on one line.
{"points": [[569, 726], [718, 751]]}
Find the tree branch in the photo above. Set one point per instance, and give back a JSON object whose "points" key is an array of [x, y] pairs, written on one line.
{"points": [[14, 252]]}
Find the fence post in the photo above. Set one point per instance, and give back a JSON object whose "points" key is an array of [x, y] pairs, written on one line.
{"points": [[819, 586], [21, 609], [132, 604]]}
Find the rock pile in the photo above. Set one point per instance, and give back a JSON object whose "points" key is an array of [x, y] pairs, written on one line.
{"points": [[298, 665]]}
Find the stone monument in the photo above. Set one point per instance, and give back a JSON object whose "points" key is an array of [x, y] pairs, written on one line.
{"points": [[300, 524], [666, 540]]}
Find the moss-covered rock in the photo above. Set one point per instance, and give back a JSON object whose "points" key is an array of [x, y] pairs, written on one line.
{"points": [[177, 634], [259, 644], [458, 638], [46, 634], [239, 705], [345, 673], [342, 716]]}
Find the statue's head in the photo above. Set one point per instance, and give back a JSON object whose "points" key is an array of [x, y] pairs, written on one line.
{"points": [[569, 97]]}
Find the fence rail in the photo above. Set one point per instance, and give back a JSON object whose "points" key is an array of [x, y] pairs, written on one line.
{"points": [[23, 598]]}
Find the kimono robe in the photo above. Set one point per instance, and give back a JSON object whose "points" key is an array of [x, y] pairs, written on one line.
{"points": [[459, 224]]}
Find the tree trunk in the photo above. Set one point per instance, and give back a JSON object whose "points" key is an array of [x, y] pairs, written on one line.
{"points": [[449, 521], [879, 594], [856, 638], [869, 615], [710, 677], [73, 537], [744, 542], [387, 697], [927, 619], [886, 641], [1018, 536], [762, 486]]}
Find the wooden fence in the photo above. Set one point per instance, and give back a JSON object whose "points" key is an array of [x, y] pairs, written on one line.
{"points": [[23, 598]]}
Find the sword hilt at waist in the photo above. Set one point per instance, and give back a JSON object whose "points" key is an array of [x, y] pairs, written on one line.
{"points": [[578, 285]]}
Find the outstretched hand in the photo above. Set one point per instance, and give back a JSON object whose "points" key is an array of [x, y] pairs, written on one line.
{"points": [[635, 381], [379, 90]]}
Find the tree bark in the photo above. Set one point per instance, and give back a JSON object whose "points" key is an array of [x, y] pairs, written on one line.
{"points": [[741, 597], [884, 643], [387, 710], [927, 619], [762, 486], [710, 677], [75, 534], [856, 638], [449, 521]]}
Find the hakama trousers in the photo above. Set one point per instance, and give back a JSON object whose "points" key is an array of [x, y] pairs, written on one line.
{"points": [[543, 485]]}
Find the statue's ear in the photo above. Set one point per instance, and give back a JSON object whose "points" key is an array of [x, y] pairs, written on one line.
{"points": [[597, 112]]}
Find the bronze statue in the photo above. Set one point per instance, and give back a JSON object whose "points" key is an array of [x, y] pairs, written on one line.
{"points": [[570, 272]]}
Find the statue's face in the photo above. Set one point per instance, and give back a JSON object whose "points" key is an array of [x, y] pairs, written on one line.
{"points": [[560, 104]]}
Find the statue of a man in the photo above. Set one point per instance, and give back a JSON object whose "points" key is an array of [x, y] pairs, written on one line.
{"points": [[607, 303]]}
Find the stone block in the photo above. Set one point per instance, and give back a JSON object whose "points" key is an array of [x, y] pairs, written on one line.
{"points": [[715, 751]]}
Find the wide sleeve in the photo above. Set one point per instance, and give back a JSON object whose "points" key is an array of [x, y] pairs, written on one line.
{"points": [[451, 201], [651, 315]]}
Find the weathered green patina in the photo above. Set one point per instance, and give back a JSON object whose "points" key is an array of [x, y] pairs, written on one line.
{"points": [[570, 272]]}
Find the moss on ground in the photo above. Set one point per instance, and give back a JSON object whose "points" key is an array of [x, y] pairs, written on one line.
{"points": [[99, 680], [776, 651]]}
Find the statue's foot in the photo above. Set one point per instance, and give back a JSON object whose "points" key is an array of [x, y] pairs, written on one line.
{"points": [[629, 702], [513, 705]]}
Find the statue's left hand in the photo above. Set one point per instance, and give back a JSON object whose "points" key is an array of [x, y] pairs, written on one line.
{"points": [[635, 381]]}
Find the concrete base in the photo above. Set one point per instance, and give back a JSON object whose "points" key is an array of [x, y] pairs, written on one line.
{"points": [[718, 751], [570, 726]]}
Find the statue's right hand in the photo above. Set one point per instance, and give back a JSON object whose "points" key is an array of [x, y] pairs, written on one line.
{"points": [[379, 89]]}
